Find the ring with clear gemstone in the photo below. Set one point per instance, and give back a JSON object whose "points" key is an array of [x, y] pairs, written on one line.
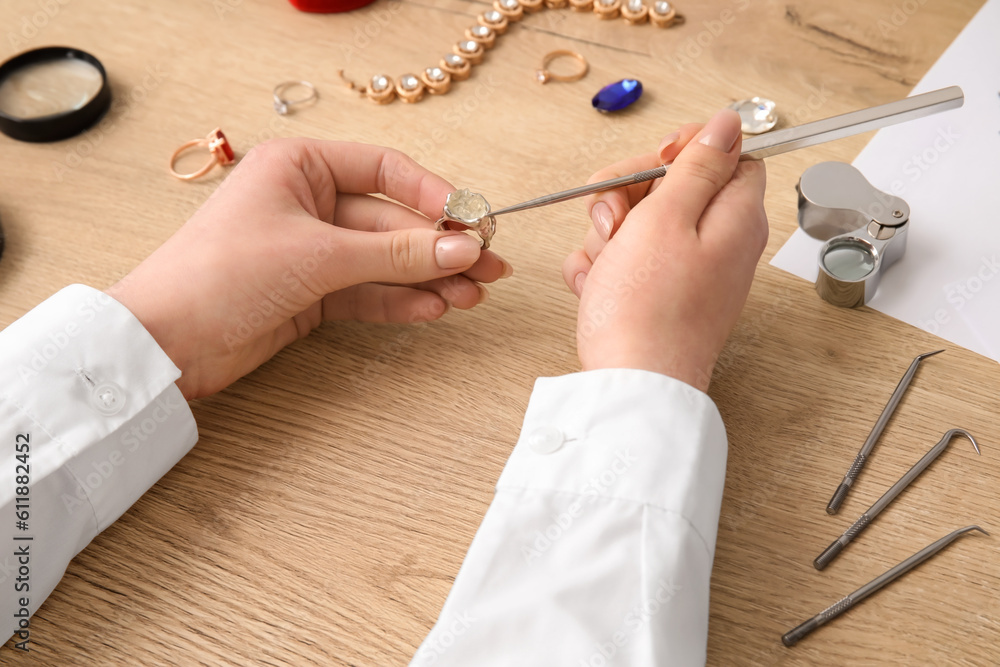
{"points": [[470, 210]]}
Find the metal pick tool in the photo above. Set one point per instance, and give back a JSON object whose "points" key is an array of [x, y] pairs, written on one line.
{"points": [[859, 461], [836, 609], [865, 519], [784, 141]]}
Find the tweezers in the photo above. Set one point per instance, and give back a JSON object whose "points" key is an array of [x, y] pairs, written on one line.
{"points": [[784, 141], [836, 609]]}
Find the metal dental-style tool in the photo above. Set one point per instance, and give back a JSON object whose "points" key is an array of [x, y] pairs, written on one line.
{"points": [[838, 545], [789, 139], [883, 419], [833, 611]]}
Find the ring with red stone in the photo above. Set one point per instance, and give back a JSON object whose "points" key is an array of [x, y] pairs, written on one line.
{"points": [[471, 50], [494, 20], [409, 88], [663, 15], [532, 6], [437, 81], [380, 89], [216, 143], [607, 9], [511, 9], [456, 66], [581, 5], [482, 34], [634, 12]]}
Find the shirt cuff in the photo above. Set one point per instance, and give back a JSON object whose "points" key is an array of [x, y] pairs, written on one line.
{"points": [[86, 372], [583, 431]]}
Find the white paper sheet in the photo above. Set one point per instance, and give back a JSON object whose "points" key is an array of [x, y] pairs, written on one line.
{"points": [[947, 168]]}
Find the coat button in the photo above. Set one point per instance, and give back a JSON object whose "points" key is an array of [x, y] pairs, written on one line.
{"points": [[546, 439], [107, 398]]}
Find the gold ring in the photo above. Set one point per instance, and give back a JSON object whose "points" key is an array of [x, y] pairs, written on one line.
{"points": [[217, 144], [543, 75]]}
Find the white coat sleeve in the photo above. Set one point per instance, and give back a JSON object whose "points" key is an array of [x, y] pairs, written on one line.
{"points": [[597, 548], [91, 418]]}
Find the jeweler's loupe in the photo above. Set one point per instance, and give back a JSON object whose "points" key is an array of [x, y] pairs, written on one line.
{"points": [[52, 93], [864, 228]]}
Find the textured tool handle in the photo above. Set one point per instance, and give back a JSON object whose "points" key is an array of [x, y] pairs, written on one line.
{"points": [[827, 556], [838, 545], [792, 637], [838, 496]]}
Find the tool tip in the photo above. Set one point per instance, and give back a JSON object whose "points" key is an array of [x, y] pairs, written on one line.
{"points": [[929, 354]]}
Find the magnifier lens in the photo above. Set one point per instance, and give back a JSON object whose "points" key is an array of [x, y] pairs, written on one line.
{"points": [[49, 87], [52, 93], [849, 260]]}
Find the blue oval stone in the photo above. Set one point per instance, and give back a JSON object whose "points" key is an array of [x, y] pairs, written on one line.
{"points": [[616, 96]]}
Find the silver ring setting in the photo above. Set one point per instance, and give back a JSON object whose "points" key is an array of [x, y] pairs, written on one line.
{"points": [[283, 105]]}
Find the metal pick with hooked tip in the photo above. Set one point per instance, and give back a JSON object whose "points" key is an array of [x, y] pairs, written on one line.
{"points": [[838, 544], [784, 141], [859, 461], [837, 608]]}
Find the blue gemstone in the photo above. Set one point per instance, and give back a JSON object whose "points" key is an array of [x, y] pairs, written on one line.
{"points": [[616, 96]]}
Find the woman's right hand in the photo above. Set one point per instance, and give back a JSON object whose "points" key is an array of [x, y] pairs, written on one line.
{"points": [[667, 267]]}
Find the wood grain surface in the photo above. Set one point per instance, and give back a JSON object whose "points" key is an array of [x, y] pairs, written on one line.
{"points": [[326, 509]]}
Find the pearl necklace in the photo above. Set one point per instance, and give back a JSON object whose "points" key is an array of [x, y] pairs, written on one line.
{"points": [[457, 65]]}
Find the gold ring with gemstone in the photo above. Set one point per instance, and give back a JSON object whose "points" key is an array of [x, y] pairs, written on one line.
{"points": [[217, 144], [543, 75]]}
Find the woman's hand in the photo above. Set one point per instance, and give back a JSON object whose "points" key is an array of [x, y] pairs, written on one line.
{"points": [[667, 267], [293, 238]]}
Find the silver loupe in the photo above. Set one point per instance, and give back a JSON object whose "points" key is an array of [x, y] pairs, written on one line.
{"points": [[864, 228]]}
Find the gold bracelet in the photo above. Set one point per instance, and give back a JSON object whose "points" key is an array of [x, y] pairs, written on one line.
{"points": [[490, 25]]}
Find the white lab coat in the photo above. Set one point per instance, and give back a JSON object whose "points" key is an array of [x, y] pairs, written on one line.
{"points": [[596, 550]]}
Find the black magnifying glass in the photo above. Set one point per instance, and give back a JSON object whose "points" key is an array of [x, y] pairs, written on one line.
{"points": [[52, 93]]}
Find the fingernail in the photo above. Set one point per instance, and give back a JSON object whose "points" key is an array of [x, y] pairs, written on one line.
{"points": [[456, 251], [666, 143], [508, 270], [722, 131], [603, 219], [484, 294], [578, 282]]}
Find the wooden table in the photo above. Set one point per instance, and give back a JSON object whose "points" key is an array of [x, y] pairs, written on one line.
{"points": [[328, 505]]}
